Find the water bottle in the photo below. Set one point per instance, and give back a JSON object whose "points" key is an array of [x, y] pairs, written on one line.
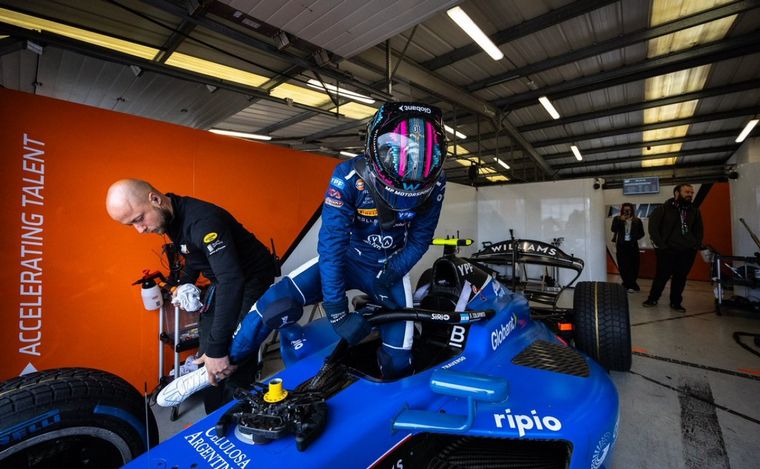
{"points": [[151, 295]]}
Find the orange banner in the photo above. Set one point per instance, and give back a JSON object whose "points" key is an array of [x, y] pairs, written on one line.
{"points": [[67, 298]]}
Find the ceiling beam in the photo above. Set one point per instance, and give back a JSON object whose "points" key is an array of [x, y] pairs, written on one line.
{"points": [[716, 164], [180, 33], [714, 52], [9, 45], [408, 70], [629, 159], [518, 165], [335, 130], [669, 175], [529, 149], [651, 143], [437, 86], [642, 105], [747, 111], [617, 43], [286, 122], [633, 107], [523, 29], [707, 175], [264, 46], [109, 55]]}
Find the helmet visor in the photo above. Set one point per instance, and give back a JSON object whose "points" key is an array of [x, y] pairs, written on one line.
{"points": [[408, 153]]}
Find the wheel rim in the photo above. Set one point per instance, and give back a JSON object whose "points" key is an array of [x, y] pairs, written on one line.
{"points": [[85, 447]]}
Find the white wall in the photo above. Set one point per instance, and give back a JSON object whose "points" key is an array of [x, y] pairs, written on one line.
{"points": [[745, 197], [540, 211], [547, 210], [745, 202], [457, 215]]}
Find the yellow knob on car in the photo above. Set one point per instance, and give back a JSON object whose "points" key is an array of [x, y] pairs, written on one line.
{"points": [[275, 393]]}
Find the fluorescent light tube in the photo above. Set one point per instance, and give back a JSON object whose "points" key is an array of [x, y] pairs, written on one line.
{"points": [[232, 133], [576, 152], [348, 154], [505, 165], [747, 129], [455, 132], [549, 107], [316, 84], [471, 29]]}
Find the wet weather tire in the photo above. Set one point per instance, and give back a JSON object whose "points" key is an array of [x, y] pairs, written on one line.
{"points": [[602, 327], [72, 417]]}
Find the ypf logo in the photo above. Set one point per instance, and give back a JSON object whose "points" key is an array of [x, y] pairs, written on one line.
{"points": [[380, 242]]}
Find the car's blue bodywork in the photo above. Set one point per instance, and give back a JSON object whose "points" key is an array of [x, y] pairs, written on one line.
{"points": [[480, 392]]}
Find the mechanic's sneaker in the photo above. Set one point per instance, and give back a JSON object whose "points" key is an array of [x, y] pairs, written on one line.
{"points": [[678, 308], [183, 387], [649, 304]]}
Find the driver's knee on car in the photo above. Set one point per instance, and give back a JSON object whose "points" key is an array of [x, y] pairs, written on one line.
{"points": [[279, 306]]}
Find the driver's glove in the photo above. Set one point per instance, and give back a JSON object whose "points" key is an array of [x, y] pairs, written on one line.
{"points": [[187, 297], [383, 286], [351, 326]]}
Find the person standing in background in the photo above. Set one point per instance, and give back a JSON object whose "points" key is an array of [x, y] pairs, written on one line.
{"points": [[628, 230], [676, 230]]}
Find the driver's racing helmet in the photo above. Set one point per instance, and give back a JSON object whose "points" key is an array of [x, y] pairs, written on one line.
{"points": [[406, 146]]}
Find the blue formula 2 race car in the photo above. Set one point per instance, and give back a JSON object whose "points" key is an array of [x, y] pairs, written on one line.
{"points": [[492, 387]]}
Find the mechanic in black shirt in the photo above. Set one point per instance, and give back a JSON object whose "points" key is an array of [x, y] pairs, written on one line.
{"points": [[239, 266]]}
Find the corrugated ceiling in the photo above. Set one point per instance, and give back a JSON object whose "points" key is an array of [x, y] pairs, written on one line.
{"points": [[598, 62]]}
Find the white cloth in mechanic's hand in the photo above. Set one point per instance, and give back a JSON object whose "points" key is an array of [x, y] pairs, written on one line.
{"points": [[188, 297]]}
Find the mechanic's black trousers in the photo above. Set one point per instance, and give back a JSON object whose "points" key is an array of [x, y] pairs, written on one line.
{"points": [[245, 374], [673, 265], [628, 263]]}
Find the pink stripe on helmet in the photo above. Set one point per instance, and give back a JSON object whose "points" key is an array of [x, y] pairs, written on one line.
{"points": [[429, 136], [403, 134]]}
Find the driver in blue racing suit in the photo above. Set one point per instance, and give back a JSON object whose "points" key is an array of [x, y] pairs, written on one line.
{"points": [[378, 218]]}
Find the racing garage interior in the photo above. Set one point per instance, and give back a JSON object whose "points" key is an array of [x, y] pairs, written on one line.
{"points": [[555, 113]]}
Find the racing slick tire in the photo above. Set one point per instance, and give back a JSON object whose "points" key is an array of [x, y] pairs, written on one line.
{"points": [[72, 417], [601, 323]]}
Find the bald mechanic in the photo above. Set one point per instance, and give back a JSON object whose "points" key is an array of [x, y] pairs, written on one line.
{"points": [[239, 266]]}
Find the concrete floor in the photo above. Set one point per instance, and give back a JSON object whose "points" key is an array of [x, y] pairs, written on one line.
{"points": [[691, 399]]}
